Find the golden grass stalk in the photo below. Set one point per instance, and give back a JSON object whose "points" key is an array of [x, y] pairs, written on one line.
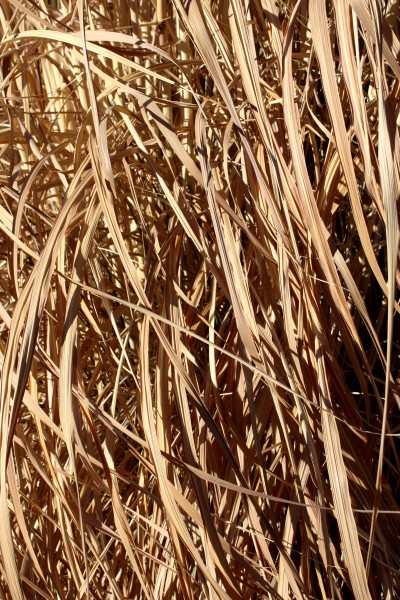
{"points": [[199, 299]]}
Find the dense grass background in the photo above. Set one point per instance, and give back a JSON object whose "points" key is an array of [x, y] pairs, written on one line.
{"points": [[199, 328]]}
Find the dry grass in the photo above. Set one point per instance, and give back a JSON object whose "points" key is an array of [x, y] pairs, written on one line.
{"points": [[199, 328]]}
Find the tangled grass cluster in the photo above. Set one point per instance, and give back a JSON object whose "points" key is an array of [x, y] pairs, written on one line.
{"points": [[199, 286]]}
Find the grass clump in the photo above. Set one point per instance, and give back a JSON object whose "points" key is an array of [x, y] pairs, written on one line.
{"points": [[199, 318]]}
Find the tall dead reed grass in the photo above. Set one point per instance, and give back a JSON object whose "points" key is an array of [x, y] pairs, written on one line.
{"points": [[199, 338]]}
